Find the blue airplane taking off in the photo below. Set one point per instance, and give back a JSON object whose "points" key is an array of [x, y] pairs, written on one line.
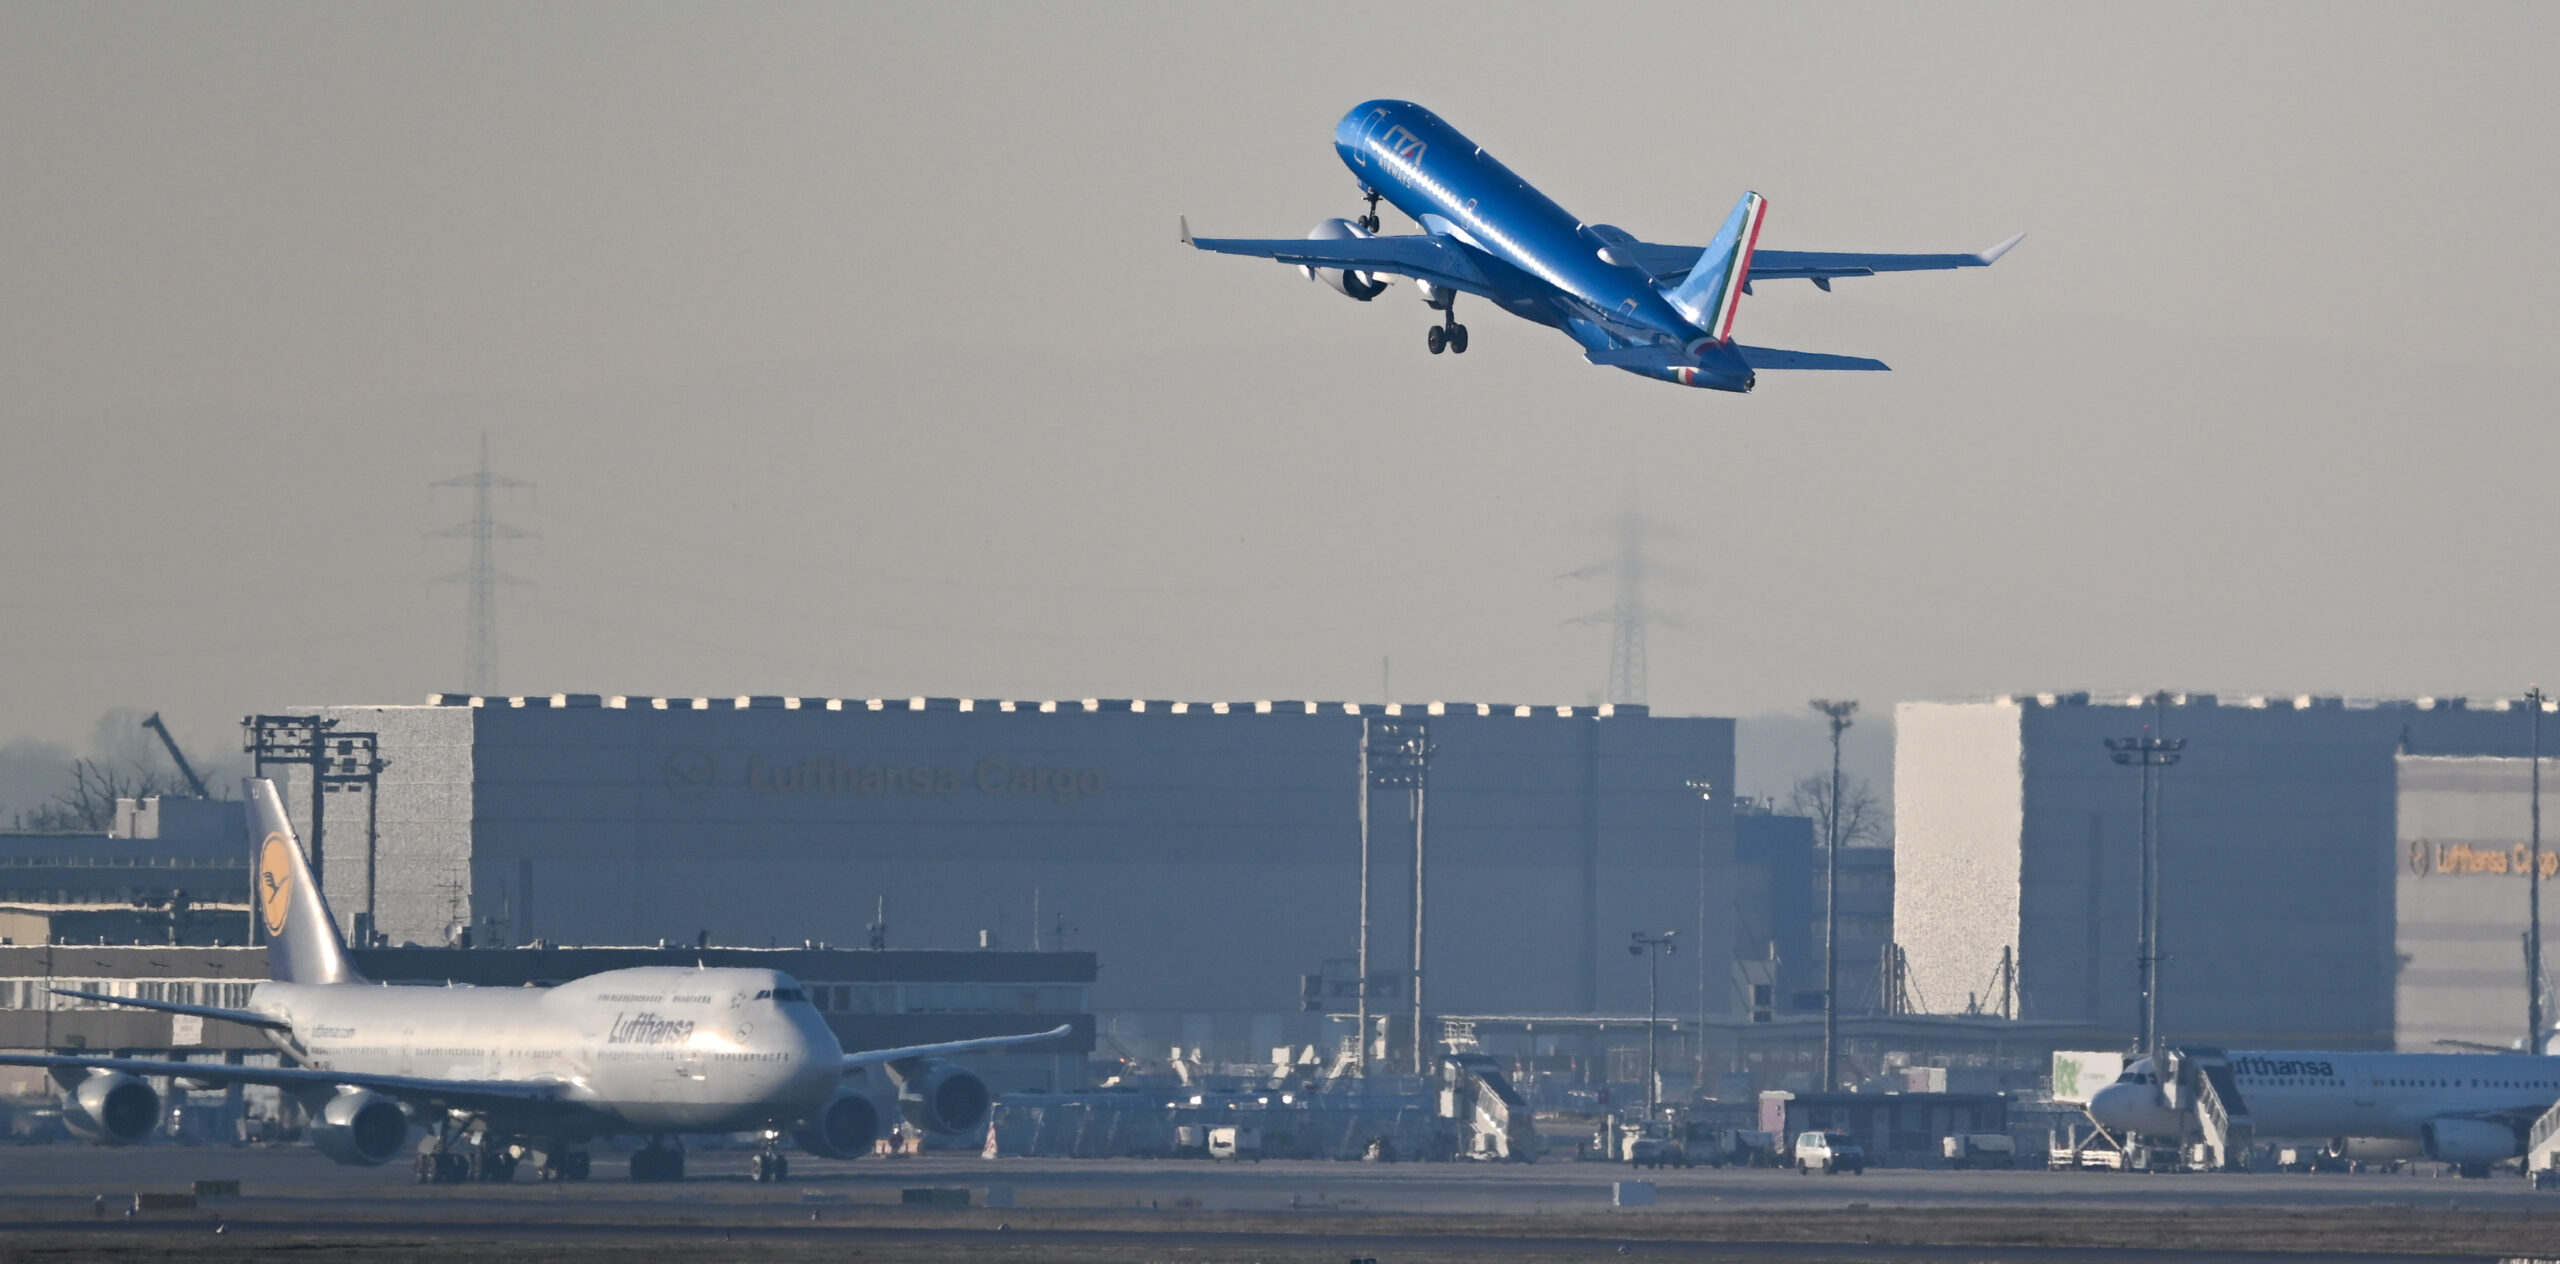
{"points": [[1661, 311]]}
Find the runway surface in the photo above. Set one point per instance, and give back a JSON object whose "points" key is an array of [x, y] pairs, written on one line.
{"points": [[1274, 1212]]}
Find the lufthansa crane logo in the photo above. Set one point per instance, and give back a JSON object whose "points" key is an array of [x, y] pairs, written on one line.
{"points": [[275, 881]]}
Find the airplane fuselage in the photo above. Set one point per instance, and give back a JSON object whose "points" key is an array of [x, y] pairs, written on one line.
{"points": [[2387, 1096], [648, 1050], [1552, 269]]}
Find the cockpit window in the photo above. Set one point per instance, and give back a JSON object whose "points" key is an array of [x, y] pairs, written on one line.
{"points": [[787, 996]]}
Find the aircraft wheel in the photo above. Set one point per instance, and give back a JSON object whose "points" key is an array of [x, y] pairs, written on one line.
{"points": [[1457, 340], [1437, 340], [574, 1166]]}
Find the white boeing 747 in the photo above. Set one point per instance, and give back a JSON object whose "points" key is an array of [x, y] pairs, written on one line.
{"points": [[524, 1074], [2469, 1110]]}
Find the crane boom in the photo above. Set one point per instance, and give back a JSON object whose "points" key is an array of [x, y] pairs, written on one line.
{"points": [[184, 769]]}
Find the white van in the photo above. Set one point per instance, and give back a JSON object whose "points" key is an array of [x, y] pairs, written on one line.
{"points": [[1830, 1153]]}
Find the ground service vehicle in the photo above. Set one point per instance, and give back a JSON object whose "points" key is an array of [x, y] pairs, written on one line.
{"points": [[1830, 1153], [1979, 1149]]}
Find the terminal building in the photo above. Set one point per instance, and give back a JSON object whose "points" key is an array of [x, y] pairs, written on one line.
{"points": [[2289, 914], [1208, 854]]}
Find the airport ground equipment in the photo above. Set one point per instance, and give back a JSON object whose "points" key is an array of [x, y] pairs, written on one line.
{"points": [[1236, 1142], [1829, 1153], [2073, 1149], [1979, 1150], [2542, 1143], [2201, 1081], [1731, 1147], [1493, 1120]]}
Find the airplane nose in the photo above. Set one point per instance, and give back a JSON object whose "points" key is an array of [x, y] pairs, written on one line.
{"points": [[2130, 1108]]}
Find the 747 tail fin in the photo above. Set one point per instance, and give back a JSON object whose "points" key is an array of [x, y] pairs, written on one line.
{"points": [[303, 945], [1713, 288]]}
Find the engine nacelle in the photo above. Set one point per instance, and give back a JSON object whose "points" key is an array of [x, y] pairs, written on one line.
{"points": [[1357, 285], [111, 1108], [2468, 1141], [942, 1098], [844, 1128], [360, 1128]]}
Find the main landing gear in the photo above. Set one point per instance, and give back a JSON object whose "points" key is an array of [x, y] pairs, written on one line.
{"points": [[1448, 335], [660, 1160], [770, 1165], [458, 1156]]}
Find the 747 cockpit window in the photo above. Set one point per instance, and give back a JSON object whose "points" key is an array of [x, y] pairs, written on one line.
{"points": [[786, 996]]}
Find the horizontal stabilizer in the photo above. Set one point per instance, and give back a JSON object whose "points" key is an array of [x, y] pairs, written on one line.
{"points": [[1772, 358]]}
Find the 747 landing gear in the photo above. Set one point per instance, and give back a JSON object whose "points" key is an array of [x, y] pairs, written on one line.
{"points": [[661, 1160], [771, 1165]]}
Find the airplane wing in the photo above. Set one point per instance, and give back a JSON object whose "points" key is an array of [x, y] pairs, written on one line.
{"points": [[1817, 266], [464, 1093], [1769, 358], [876, 1057], [1759, 358], [244, 1017], [1434, 257]]}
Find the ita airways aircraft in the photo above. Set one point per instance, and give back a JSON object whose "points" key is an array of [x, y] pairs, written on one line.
{"points": [[1662, 311], [502, 1075], [2469, 1110]]}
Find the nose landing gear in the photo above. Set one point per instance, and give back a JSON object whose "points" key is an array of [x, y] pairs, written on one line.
{"points": [[1370, 220], [771, 1165]]}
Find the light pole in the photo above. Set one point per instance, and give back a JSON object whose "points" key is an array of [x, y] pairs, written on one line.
{"points": [[2533, 699], [1653, 948], [1706, 792], [2148, 751], [1838, 713]]}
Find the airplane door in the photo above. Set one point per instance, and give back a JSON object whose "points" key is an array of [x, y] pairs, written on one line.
{"points": [[2361, 1076]]}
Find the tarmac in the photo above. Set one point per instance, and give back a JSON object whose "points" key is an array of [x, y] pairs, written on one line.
{"points": [[292, 1200]]}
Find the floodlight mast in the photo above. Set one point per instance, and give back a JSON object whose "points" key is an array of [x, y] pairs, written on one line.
{"points": [[1838, 713], [1653, 947]]}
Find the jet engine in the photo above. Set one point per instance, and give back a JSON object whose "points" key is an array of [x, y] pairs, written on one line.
{"points": [[360, 1128], [1359, 285], [940, 1097], [844, 1128], [2468, 1142], [110, 1108]]}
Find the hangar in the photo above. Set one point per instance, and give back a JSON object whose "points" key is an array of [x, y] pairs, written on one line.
{"points": [[1208, 853]]}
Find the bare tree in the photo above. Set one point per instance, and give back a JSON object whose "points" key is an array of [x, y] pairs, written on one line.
{"points": [[88, 804], [1863, 819]]}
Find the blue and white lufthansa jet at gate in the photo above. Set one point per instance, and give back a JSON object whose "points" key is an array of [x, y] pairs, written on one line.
{"points": [[1661, 311]]}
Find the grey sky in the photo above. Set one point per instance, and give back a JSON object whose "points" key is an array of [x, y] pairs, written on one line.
{"points": [[853, 353]]}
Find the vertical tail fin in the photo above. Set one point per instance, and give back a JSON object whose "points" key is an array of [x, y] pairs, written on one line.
{"points": [[303, 945], [1714, 287]]}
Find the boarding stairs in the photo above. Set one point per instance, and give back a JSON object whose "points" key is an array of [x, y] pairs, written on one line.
{"points": [[2542, 1148], [2206, 1085], [1494, 1121]]}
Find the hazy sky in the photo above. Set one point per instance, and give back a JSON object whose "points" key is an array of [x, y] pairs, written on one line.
{"points": [[853, 353]]}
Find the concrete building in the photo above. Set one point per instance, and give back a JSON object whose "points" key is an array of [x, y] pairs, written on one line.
{"points": [[2279, 854], [1207, 852], [2459, 896], [1777, 892]]}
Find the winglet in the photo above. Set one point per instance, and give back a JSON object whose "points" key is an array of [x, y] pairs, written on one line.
{"points": [[1988, 257], [1186, 231]]}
